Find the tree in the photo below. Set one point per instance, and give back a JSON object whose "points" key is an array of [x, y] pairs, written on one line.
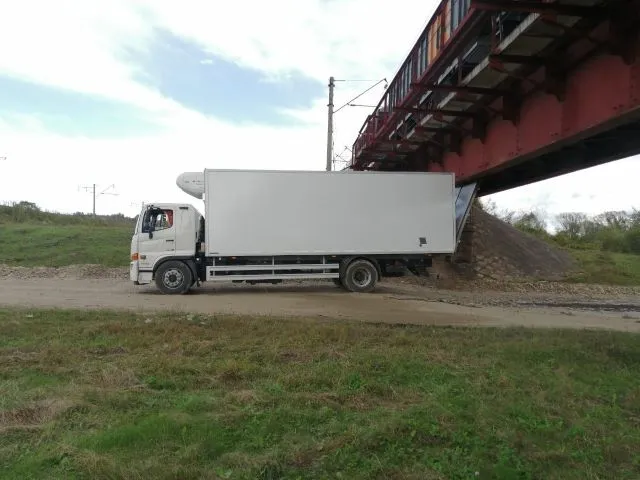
{"points": [[617, 220], [572, 224], [530, 222], [632, 238], [487, 205], [29, 206]]}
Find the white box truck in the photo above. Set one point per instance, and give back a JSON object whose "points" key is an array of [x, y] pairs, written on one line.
{"points": [[271, 226]]}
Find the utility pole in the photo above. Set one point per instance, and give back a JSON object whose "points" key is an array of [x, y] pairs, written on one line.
{"points": [[94, 199], [92, 189], [332, 83], [330, 126]]}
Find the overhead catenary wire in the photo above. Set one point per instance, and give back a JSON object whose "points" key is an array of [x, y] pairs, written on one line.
{"points": [[92, 190], [361, 94], [331, 112]]}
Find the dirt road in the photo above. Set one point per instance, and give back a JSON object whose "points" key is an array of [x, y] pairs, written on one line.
{"points": [[392, 303]]}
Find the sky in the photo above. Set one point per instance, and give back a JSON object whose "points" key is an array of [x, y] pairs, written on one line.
{"points": [[128, 94]]}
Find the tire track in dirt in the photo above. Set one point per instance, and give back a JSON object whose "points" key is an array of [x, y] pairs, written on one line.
{"points": [[392, 304]]}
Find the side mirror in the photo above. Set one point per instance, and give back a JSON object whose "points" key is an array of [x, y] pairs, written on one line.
{"points": [[150, 233]]}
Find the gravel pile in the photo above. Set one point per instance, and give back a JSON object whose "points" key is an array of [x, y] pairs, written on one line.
{"points": [[77, 272], [493, 249], [502, 251], [484, 292]]}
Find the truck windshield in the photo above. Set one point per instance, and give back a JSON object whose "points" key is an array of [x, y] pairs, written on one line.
{"points": [[157, 219]]}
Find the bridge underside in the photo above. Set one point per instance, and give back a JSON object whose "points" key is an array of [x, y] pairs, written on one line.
{"points": [[614, 144], [529, 91]]}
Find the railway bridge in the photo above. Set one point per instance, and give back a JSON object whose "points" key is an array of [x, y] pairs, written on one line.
{"points": [[508, 92]]}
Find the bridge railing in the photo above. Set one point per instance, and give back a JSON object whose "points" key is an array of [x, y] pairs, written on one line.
{"points": [[443, 26]]}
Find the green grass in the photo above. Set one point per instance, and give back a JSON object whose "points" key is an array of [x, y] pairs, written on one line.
{"points": [[31, 237], [107, 395], [30, 213], [606, 268], [59, 245]]}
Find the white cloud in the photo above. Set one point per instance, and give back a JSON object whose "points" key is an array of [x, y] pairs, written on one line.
{"points": [[75, 45], [612, 186], [48, 171], [313, 37]]}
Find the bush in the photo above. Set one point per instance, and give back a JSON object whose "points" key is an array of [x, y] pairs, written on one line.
{"points": [[28, 212], [633, 240], [612, 231]]}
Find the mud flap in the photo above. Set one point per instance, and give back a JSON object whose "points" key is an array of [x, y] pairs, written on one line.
{"points": [[133, 271]]}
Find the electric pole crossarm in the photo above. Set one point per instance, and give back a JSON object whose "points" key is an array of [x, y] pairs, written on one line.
{"points": [[92, 189], [331, 112]]}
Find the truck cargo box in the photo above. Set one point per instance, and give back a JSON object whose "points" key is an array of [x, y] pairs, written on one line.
{"points": [[264, 213]]}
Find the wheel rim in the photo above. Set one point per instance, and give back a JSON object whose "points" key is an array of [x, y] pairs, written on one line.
{"points": [[173, 278], [362, 277]]}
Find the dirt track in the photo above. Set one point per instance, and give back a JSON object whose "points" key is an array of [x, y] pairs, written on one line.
{"points": [[392, 303]]}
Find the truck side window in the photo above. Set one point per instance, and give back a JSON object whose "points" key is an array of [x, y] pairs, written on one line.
{"points": [[157, 220]]}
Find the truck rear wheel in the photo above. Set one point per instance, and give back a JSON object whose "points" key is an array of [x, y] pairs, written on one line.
{"points": [[174, 277], [360, 276]]}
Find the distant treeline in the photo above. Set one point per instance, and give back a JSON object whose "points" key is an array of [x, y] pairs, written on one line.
{"points": [[614, 231], [28, 212]]}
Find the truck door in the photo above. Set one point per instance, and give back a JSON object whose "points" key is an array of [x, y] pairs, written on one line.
{"points": [[157, 237]]}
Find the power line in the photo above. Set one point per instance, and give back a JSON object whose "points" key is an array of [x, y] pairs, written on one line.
{"points": [[360, 80], [92, 189], [332, 112], [339, 155], [366, 91]]}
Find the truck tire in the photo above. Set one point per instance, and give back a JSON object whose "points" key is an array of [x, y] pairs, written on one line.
{"points": [[174, 278], [360, 276]]}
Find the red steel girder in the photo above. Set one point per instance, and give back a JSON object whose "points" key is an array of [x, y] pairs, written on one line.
{"points": [[517, 59], [469, 27], [555, 75], [569, 29], [438, 111], [393, 143], [623, 32], [459, 89], [436, 140], [432, 140], [390, 154], [529, 6], [600, 94], [449, 129], [555, 72], [421, 129], [455, 143]]}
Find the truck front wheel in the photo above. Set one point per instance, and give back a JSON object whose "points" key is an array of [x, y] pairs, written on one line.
{"points": [[360, 276], [174, 277]]}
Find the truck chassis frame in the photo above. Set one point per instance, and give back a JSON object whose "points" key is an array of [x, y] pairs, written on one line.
{"points": [[354, 273]]}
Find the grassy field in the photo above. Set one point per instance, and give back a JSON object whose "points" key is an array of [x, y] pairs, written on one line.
{"points": [[32, 237], [59, 245], [607, 268], [106, 395]]}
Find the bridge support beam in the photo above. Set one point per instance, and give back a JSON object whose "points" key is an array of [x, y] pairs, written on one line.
{"points": [[547, 124], [536, 6]]}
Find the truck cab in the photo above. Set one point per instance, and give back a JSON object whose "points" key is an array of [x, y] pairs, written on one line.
{"points": [[163, 232]]}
